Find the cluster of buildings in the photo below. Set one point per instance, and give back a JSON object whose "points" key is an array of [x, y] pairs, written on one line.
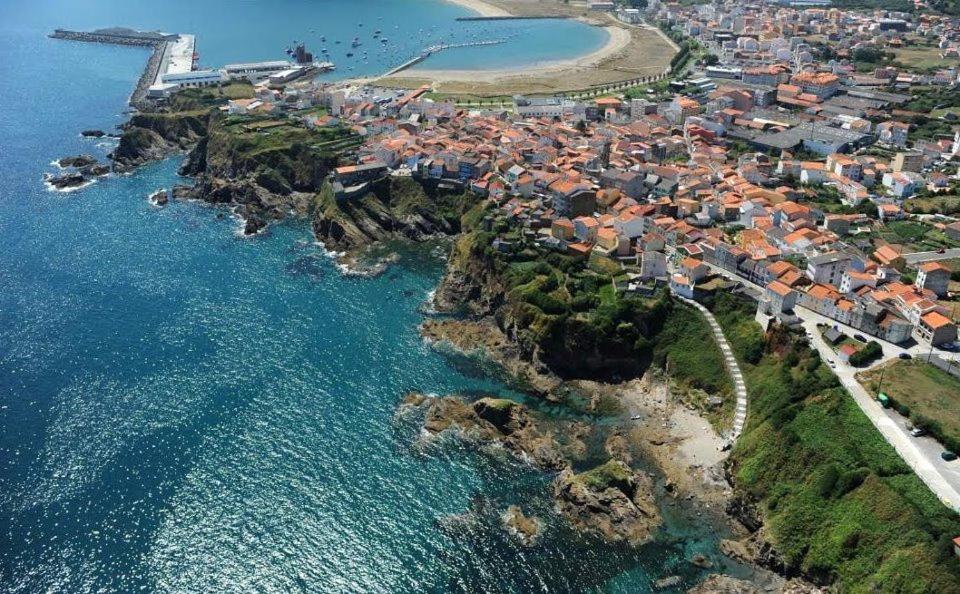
{"points": [[658, 189], [727, 173]]}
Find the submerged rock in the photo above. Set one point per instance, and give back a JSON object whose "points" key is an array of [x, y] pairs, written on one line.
{"points": [[254, 225], [525, 528], [724, 584], [667, 582], [67, 180], [77, 161], [611, 500], [159, 198], [93, 133]]}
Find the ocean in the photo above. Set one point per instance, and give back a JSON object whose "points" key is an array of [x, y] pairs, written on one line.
{"points": [[186, 410]]}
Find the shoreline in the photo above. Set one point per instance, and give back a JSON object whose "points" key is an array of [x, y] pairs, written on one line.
{"points": [[484, 9], [617, 40], [630, 53]]}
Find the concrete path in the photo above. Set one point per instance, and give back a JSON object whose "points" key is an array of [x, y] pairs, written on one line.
{"points": [[921, 454], [730, 361]]}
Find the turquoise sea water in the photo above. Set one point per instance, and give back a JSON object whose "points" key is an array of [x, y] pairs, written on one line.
{"points": [[184, 410]]}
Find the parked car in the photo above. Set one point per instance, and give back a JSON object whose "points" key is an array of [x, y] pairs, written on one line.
{"points": [[918, 432], [906, 356], [860, 337], [948, 456]]}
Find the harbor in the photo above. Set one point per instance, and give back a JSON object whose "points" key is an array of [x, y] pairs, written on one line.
{"points": [[173, 64]]}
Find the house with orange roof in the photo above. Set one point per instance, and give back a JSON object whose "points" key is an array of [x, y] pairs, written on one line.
{"points": [[610, 244], [693, 269], [585, 229], [852, 280], [936, 328], [821, 299], [935, 277], [779, 298], [888, 256], [681, 285], [562, 229]]}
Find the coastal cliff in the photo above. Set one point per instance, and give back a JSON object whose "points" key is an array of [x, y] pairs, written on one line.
{"points": [[550, 306], [391, 208], [151, 136]]}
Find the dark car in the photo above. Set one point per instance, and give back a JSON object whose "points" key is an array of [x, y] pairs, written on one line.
{"points": [[860, 337], [948, 456], [906, 356]]}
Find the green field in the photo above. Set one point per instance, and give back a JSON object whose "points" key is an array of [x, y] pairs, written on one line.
{"points": [[929, 396]]}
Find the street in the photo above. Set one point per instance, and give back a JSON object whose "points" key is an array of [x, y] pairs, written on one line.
{"points": [[921, 454]]}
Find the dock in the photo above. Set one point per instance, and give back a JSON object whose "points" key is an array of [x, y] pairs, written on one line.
{"points": [[177, 57], [429, 51]]}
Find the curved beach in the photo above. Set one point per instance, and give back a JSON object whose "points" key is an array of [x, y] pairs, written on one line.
{"points": [[617, 40], [630, 52], [481, 8]]}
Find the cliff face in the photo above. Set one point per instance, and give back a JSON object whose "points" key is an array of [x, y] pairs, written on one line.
{"points": [[150, 136], [597, 342], [264, 183], [393, 208]]}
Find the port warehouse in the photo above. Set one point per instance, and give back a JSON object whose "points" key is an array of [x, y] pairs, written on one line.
{"points": [[277, 71]]}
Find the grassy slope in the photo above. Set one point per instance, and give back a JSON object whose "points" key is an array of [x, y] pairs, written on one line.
{"points": [[687, 350], [838, 503], [931, 395]]}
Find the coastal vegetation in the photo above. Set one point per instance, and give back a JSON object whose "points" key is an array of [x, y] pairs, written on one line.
{"points": [[926, 394], [567, 314], [836, 502], [395, 207]]}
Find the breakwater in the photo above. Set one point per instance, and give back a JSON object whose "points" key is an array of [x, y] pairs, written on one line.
{"points": [[116, 35], [530, 17], [160, 42], [150, 73]]}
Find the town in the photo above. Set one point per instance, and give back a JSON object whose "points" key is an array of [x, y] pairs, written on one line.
{"points": [[720, 287]]}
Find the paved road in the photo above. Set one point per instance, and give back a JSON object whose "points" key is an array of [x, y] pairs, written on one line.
{"points": [[918, 257], [921, 454], [730, 361]]}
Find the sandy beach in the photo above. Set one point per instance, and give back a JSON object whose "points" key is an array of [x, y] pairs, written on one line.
{"points": [[480, 7], [630, 52], [617, 40]]}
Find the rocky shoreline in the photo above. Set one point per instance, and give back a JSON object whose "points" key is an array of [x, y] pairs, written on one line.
{"points": [[612, 499], [666, 433]]}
